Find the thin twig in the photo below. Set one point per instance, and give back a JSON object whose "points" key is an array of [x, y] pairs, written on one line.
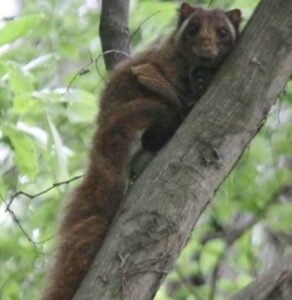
{"points": [[17, 221], [54, 185], [84, 70], [140, 25], [104, 54]]}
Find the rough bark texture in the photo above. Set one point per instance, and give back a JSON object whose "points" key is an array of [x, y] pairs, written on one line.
{"points": [[164, 204], [114, 31], [276, 284]]}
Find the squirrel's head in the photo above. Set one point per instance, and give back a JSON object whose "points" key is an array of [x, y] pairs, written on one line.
{"points": [[205, 37]]}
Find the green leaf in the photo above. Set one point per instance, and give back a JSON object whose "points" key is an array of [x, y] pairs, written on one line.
{"points": [[3, 69], [41, 61], [18, 27], [210, 254], [68, 49], [4, 101], [25, 103], [19, 80], [24, 151], [60, 151], [82, 106], [2, 189], [279, 217]]}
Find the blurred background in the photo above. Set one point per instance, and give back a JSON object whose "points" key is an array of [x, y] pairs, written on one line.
{"points": [[51, 73]]}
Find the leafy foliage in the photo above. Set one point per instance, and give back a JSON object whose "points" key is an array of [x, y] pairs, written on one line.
{"points": [[48, 89]]}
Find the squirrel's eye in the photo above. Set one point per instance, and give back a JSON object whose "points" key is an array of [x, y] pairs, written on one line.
{"points": [[192, 30], [222, 32]]}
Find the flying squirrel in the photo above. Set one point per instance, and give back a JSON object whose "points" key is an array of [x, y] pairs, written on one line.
{"points": [[151, 92]]}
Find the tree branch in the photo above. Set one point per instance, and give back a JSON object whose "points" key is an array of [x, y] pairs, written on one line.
{"points": [[274, 284], [114, 31], [231, 235], [162, 207]]}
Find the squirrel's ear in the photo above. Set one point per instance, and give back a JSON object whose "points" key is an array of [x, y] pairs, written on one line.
{"points": [[185, 11], [234, 16]]}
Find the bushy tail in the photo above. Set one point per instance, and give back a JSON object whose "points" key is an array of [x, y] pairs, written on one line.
{"points": [[91, 208]]}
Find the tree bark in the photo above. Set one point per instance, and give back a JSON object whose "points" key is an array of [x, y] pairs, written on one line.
{"points": [[276, 284], [114, 31], [156, 219]]}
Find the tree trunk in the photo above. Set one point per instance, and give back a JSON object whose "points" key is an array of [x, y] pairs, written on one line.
{"points": [[156, 220], [114, 31]]}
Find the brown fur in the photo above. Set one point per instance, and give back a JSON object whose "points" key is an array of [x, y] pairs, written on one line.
{"points": [[127, 106]]}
